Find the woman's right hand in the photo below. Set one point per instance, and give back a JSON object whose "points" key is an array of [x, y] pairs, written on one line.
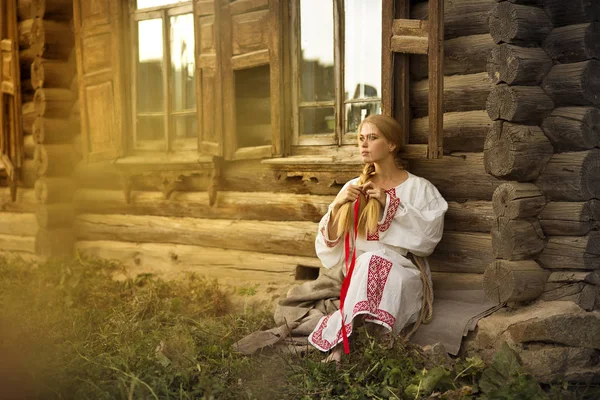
{"points": [[350, 194]]}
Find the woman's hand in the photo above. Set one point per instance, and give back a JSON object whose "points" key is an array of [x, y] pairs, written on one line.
{"points": [[373, 192], [350, 194]]}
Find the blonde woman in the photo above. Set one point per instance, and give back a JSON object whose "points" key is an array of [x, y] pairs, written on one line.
{"points": [[399, 213]]}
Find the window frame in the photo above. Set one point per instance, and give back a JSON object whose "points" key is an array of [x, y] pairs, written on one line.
{"points": [[164, 13], [339, 137]]}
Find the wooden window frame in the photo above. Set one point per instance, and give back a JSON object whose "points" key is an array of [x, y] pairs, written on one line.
{"points": [[339, 137], [162, 12]]}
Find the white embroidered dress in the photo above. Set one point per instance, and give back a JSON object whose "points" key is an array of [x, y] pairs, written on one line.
{"points": [[385, 284]]}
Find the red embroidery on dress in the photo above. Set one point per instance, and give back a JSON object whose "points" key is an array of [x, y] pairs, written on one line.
{"points": [[328, 243], [317, 335], [373, 235], [393, 207]]}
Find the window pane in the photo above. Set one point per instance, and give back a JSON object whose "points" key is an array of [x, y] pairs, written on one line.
{"points": [[185, 132], [253, 106], [316, 50], [356, 112], [183, 68], [317, 120], [151, 128], [150, 92], [155, 3], [362, 68]]}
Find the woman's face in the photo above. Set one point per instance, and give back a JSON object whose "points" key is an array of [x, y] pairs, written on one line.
{"points": [[373, 146]]}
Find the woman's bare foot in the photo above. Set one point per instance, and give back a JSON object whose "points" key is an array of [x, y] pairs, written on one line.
{"points": [[336, 355]]}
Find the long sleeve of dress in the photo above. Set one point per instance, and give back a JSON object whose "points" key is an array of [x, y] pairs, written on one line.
{"points": [[414, 224]]}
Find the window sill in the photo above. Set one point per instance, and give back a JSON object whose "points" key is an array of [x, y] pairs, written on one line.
{"points": [[164, 162]]}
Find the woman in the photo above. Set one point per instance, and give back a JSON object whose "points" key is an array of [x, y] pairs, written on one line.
{"points": [[400, 213]]}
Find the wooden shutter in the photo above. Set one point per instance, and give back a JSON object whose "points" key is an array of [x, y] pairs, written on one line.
{"points": [[208, 77], [11, 138], [98, 33], [251, 37]]}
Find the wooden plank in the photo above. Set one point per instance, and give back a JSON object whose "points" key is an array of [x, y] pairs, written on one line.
{"points": [[409, 44], [387, 59], [436, 79], [410, 27], [276, 67], [19, 224], [244, 6], [338, 61], [249, 60]]}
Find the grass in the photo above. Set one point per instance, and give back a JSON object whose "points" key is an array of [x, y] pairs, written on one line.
{"points": [[69, 331]]}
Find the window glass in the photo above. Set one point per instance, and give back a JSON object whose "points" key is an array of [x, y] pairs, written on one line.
{"points": [[183, 67], [315, 120], [356, 112]]}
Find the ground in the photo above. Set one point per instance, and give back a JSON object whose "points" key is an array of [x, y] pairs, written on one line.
{"points": [[69, 330]]}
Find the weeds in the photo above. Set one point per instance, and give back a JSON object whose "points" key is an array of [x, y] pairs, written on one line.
{"points": [[68, 330]]}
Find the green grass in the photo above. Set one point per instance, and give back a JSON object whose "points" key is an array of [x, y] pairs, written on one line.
{"points": [[69, 331]]}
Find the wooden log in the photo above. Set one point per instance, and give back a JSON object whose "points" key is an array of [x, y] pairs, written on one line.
{"points": [[24, 10], [20, 224], [456, 281], [51, 73], [104, 176], [228, 205], [572, 12], [518, 103], [25, 202], [470, 216], [572, 176], [29, 116], [53, 37], [509, 281], [517, 200], [576, 84], [517, 239], [54, 190], [459, 177], [572, 252], [574, 43], [462, 252], [570, 218], [24, 28], [53, 160], [462, 56], [519, 24], [580, 293], [591, 277], [461, 93], [28, 146], [50, 243], [516, 65], [279, 237], [75, 86], [463, 131], [55, 215], [461, 17], [28, 173], [52, 131], [26, 58], [229, 266], [60, 10], [517, 152], [14, 243], [53, 103], [573, 128]]}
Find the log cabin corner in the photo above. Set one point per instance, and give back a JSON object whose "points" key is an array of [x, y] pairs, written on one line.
{"points": [[211, 135]]}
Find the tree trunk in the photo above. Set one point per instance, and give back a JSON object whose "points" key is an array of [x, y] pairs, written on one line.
{"points": [[461, 17], [573, 128], [570, 218], [517, 239], [53, 160], [572, 12], [462, 252], [461, 93], [54, 242], [18, 224], [572, 176], [516, 65], [458, 177], [514, 200], [51, 74], [462, 56], [463, 131], [574, 43], [59, 215], [576, 84], [508, 281], [572, 252], [60, 10], [470, 216], [53, 103], [517, 152], [518, 103], [580, 293], [519, 24], [52, 131], [54, 190]]}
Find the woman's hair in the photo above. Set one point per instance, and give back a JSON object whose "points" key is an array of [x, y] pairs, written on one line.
{"points": [[369, 211]]}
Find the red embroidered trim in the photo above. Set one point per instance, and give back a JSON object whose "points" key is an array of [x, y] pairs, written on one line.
{"points": [[328, 243], [393, 207]]}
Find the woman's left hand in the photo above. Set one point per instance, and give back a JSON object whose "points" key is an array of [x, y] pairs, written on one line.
{"points": [[372, 191]]}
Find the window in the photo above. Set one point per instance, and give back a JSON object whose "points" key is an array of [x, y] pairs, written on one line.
{"points": [[337, 68], [164, 74]]}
